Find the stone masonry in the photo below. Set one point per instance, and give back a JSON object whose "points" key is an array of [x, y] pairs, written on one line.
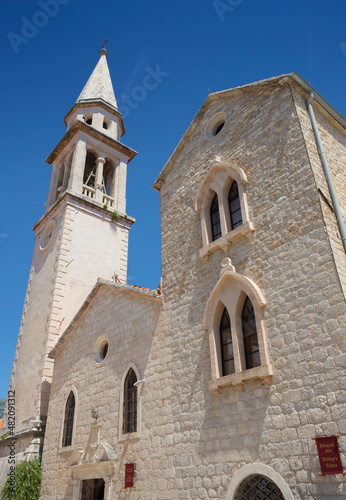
{"points": [[194, 442]]}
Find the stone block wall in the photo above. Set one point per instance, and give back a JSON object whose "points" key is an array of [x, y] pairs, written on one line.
{"points": [[289, 257], [193, 441], [333, 138], [128, 317]]}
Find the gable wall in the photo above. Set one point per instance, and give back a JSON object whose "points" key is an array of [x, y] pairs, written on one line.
{"points": [[130, 323], [289, 258]]}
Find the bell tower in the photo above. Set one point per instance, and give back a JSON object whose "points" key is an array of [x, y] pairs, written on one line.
{"points": [[83, 235]]}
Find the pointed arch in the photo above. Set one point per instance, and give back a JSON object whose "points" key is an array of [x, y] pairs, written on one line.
{"points": [[232, 292], [130, 403], [216, 178], [227, 182], [215, 218], [234, 206], [226, 344], [250, 337], [69, 419]]}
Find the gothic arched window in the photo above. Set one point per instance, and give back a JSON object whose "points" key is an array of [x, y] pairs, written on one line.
{"points": [[68, 420], [251, 347], [215, 219], [234, 206], [226, 344], [130, 403]]}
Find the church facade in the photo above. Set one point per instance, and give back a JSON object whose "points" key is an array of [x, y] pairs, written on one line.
{"points": [[215, 384]]}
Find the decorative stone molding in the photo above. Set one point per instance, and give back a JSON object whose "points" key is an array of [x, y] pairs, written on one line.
{"points": [[231, 291], [263, 470], [219, 180]]}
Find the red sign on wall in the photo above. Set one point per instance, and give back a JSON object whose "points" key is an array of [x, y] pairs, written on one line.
{"points": [[129, 475], [328, 453]]}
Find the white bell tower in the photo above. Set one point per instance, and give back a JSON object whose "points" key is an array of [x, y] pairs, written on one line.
{"points": [[82, 236]]}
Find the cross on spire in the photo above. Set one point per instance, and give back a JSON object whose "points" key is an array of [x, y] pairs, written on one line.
{"points": [[104, 43]]}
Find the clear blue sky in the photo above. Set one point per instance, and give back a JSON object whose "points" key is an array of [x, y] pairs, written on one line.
{"points": [[202, 46]]}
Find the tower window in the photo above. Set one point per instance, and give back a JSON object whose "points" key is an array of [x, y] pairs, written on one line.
{"points": [[106, 123], [130, 403], [234, 206], [108, 172], [88, 118], [68, 421], [251, 347], [215, 219], [90, 170]]}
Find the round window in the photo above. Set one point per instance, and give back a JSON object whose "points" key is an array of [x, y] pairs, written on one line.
{"points": [[100, 350], [47, 234], [215, 125]]}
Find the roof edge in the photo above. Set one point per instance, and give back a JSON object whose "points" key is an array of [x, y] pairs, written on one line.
{"points": [[261, 83], [81, 126], [155, 295]]}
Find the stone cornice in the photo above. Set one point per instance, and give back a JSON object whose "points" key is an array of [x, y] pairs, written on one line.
{"points": [[86, 201], [21, 435], [79, 126], [90, 103]]}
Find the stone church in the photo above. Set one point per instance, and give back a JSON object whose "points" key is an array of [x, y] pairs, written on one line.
{"points": [[216, 384]]}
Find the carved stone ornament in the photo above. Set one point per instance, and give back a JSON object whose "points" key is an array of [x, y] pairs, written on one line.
{"points": [[227, 266]]}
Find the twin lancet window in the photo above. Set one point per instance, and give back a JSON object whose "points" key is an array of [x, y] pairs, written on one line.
{"points": [[222, 205], [250, 340], [237, 336], [234, 212]]}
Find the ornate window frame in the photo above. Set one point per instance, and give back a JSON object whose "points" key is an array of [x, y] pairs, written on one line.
{"points": [[137, 434], [219, 180], [230, 292]]}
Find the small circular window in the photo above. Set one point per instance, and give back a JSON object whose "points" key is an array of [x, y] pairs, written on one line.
{"points": [[47, 235], [100, 350], [215, 125]]}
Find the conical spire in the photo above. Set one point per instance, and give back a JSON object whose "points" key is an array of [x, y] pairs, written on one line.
{"points": [[99, 85]]}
